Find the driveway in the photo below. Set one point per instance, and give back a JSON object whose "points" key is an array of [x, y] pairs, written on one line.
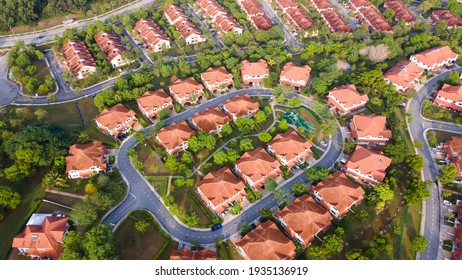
{"points": [[8, 91]]}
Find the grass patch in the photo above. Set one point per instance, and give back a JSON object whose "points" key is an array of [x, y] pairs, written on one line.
{"points": [[188, 200], [440, 114], [227, 251], [317, 153], [441, 136], [165, 255], [400, 114], [447, 245], [61, 199], [159, 184], [132, 245], [153, 164], [46, 207], [95, 133]]}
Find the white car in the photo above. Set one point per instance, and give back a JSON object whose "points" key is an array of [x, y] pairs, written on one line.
{"points": [[323, 143]]}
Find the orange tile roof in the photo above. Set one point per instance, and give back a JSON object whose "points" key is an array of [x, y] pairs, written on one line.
{"points": [[84, 156], [334, 21], [321, 5], [187, 87], [372, 126], [220, 188], [360, 3], [175, 135], [255, 71], [459, 234], [346, 98], [261, 22], [457, 254], [290, 146], [258, 165], [299, 19], [216, 75], [401, 13], [110, 44], [286, 4], [293, 74], [240, 105], [210, 119], [434, 56], [448, 16], [338, 191], [374, 19], [77, 56], [368, 162], [404, 74], [181, 21], [151, 100], [266, 242], [186, 254], [43, 240], [151, 33], [453, 150], [251, 7], [450, 96], [305, 218], [114, 116], [218, 15]]}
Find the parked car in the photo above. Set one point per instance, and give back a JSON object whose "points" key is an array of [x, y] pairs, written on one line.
{"points": [[323, 143], [445, 202], [216, 227], [253, 225]]}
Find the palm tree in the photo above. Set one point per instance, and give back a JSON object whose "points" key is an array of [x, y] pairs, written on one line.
{"points": [[83, 137], [53, 180]]}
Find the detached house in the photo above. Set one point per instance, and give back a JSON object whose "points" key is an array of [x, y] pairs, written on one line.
{"points": [[84, 160], [174, 138], [346, 99], [78, 59], [451, 19], [337, 194], [435, 58], [217, 80], [189, 255], [221, 189], [453, 150], [253, 73], [405, 75], [187, 92], [295, 76], [370, 130], [113, 47], [256, 166], [290, 149], [211, 120], [116, 120], [449, 97], [154, 38], [241, 106], [303, 219], [188, 30], [43, 236], [367, 165], [152, 102], [266, 242]]}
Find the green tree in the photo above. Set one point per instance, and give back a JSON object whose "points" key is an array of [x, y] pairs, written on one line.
{"points": [[226, 130], [265, 137], [187, 158], [448, 174], [139, 136], [317, 173], [142, 226], [100, 244], [245, 125], [245, 228], [53, 180], [220, 158], [415, 162], [232, 155], [73, 246], [84, 214], [265, 213], [283, 125], [9, 199], [83, 138], [418, 144], [164, 114], [235, 209], [245, 145], [299, 189], [260, 117], [171, 163], [362, 215], [419, 243]]}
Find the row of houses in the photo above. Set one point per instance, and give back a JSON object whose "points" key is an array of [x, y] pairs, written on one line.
{"points": [[406, 74], [366, 12], [331, 17], [255, 14], [187, 29], [451, 19], [297, 19], [302, 220], [457, 253], [217, 15], [78, 59], [401, 12]]}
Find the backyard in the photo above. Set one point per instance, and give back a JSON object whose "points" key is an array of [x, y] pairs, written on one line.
{"points": [[227, 251], [189, 201], [438, 113]]}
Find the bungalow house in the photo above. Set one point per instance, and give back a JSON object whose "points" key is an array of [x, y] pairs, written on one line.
{"points": [[78, 59], [405, 75], [152, 102], [253, 73], [241, 106], [187, 92], [256, 166], [188, 30], [453, 150], [346, 99], [221, 189], [266, 242], [449, 97], [174, 138], [370, 130], [153, 37], [451, 19], [295, 76], [367, 166], [303, 219], [190, 255], [43, 236], [290, 149], [211, 120], [435, 58], [84, 160], [113, 47], [337, 194], [116, 120], [217, 80]]}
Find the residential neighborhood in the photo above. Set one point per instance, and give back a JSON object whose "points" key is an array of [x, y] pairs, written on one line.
{"points": [[232, 130]]}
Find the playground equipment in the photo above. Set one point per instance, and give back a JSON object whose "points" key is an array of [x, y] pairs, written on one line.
{"points": [[294, 119]]}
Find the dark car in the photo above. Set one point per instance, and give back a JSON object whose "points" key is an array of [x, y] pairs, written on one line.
{"points": [[253, 225], [216, 227]]}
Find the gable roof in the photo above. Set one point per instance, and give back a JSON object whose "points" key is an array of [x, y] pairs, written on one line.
{"points": [[113, 116], [370, 125], [258, 68], [150, 32], [84, 156], [213, 75], [186, 254], [294, 72], [257, 164], [153, 99], [305, 217], [77, 55], [348, 96], [183, 87], [290, 145], [337, 190], [453, 150], [401, 13], [448, 16], [241, 105], [266, 242], [404, 73], [175, 134], [219, 186], [435, 55], [369, 162], [453, 93], [219, 15], [335, 21], [299, 18], [210, 119], [43, 240], [110, 44]]}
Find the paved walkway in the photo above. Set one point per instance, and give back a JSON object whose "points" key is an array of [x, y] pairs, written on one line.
{"points": [[65, 193]]}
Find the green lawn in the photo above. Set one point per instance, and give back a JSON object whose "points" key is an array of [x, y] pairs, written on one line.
{"points": [[317, 153], [440, 114], [153, 165], [159, 184], [165, 254], [227, 251], [442, 136], [61, 199], [132, 245], [46, 207], [188, 200], [400, 114], [96, 134]]}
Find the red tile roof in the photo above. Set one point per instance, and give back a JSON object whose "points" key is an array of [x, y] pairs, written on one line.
{"points": [[321, 5], [346, 98], [184, 90], [453, 150], [286, 4], [240, 106], [186, 254], [450, 97], [152, 102], [370, 128], [338, 191], [114, 116], [374, 19], [84, 156], [305, 218], [150, 32], [370, 165], [292, 74], [290, 148], [110, 44], [255, 14], [448, 16], [181, 21], [335, 22], [299, 18], [218, 15], [258, 165], [77, 56], [175, 135], [404, 74], [220, 188], [215, 78], [434, 57], [43, 240], [401, 13], [266, 242], [210, 120], [261, 22], [360, 3], [254, 71]]}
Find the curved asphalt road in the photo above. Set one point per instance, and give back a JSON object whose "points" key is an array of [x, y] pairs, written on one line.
{"points": [[417, 129], [142, 196]]}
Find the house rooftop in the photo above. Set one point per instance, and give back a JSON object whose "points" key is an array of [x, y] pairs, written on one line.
{"points": [[348, 96], [370, 125], [210, 119], [114, 116], [153, 99], [258, 68], [241, 105], [175, 134], [186, 254], [404, 73], [435, 55], [84, 156], [290, 145], [369, 162]]}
